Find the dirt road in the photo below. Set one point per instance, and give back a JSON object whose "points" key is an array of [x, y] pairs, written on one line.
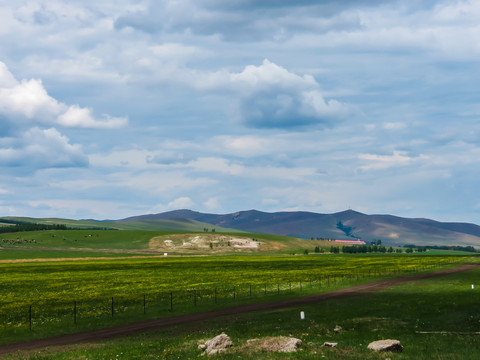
{"points": [[143, 326]]}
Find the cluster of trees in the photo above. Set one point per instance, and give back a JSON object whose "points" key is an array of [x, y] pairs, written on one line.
{"points": [[334, 249], [377, 248], [30, 227], [441, 247], [206, 230], [363, 249], [356, 249]]}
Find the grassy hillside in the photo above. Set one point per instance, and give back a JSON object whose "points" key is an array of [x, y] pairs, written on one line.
{"points": [[156, 241], [79, 239], [141, 224]]}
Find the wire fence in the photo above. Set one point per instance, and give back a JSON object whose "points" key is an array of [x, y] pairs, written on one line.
{"points": [[101, 310]]}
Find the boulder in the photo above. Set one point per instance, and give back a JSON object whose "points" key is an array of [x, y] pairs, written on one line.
{"points": [[218, 344], [330, 344], [275, 344], [386, 345]]}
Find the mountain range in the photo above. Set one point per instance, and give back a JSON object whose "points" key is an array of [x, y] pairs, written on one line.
{"points": [[345, 225], [349, 224]]}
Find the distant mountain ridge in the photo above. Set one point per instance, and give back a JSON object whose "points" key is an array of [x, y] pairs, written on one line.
{"points": [[347, 224]]}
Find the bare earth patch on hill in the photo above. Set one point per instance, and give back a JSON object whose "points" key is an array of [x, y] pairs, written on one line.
{"points": [[206, 242]]}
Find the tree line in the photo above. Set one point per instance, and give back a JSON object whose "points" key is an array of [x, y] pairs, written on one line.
{"points": [[30, 227], [441, 247], [357, 249], [19, 226]]}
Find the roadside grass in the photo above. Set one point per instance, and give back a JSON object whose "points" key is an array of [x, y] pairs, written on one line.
{"points": [[61, 292], [31, 254], [434, 319]]}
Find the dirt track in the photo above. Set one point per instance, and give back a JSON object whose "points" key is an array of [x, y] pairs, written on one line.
{"points": [[143, 326]]}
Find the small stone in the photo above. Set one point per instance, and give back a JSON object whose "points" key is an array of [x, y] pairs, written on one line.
{"points": [[330, 344], [386, 345], [337, 329]]}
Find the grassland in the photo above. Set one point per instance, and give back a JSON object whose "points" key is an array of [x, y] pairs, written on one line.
{"points": [[99, 288], [24, 254], [433, 319], [40, 299], [140, 241]]}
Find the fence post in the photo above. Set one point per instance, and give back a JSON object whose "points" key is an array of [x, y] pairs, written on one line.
{"points": [[215, 295], [195, 297], [171, 300], [290, 285], [30, 317], [278, 288], [75, 312], [144, 304], [265, 285], [300, 285], [250, 289], [328, 280], [234, 294], [112, 306]]}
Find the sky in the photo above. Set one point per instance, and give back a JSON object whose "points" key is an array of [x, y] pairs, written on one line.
{"points": [[114, 109]]}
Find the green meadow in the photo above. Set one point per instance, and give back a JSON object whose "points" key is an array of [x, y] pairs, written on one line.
{"points": [[64, 281], [39, 299], [434, 319]]}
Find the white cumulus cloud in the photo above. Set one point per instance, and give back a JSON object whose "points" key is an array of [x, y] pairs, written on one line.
{"points": [[29, 102], [398, 158], [270, 96], [38, 148], [76, 116], [181, 203]]}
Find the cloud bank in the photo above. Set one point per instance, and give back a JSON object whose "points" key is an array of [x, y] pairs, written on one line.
{"points": [[135, 106]]}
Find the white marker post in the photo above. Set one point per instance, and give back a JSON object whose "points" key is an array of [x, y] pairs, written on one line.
{"points": [[302, 315], [473, 286]]}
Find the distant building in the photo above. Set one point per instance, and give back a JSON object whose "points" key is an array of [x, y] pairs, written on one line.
{"points": [[352, 242]]}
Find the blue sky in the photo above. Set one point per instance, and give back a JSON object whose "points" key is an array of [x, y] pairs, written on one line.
{"points": [[112, 109]]}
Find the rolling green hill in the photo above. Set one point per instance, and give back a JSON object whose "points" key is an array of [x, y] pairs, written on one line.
{"points": [[174, 224], [391, 230], [152, 242]]}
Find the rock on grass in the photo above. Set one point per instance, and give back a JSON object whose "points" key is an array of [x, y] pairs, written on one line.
{"points": [[275, 344], [218, 344], [386, 345]]}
